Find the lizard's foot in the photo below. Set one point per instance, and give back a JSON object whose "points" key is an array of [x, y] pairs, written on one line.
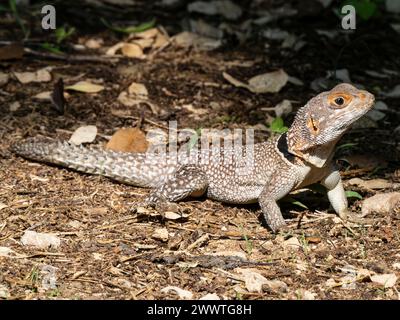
{"points": [[344, 214], [278, 226]]}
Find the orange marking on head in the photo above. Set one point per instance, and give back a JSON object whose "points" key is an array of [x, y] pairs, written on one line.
{"points": [[313, 125]]}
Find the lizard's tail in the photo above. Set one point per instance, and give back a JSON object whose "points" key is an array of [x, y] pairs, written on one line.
{"points": [[131, 168]]}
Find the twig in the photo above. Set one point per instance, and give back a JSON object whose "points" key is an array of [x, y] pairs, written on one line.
{"points": [[71, 58]]}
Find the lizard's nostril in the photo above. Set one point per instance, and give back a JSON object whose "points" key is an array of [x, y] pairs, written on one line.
{"points": [[362, 95]]}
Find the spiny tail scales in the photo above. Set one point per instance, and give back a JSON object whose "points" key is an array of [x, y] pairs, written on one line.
{"points": [[137, 169]]}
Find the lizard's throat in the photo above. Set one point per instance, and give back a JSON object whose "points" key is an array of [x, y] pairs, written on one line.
{"points": [[317, 155]]}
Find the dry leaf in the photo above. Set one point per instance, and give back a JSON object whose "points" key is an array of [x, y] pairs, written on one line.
{"points": [[277, 285], [94, 43], [384, 203], [138, 89], [127, 100], [144, 43], [365, 161], [148, 34], [196, 111], [373, 183], [132, 50], [253, 280], [160, 41], [86, 87], [14, 106], [292, 244], [183, 294], [283, 108], [269, 82], [45, 95], [42, 75], [128, 140], [263, 83], [83, 135], [40, 240], [160, 234], [190, 39], [172, 215], [11, 51], [306, 295], [386, 280], [4, 78], [113, 50], [4, 292], [6, 252]]}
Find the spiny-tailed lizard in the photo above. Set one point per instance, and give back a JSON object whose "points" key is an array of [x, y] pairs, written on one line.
{"points": [[293, 160]]}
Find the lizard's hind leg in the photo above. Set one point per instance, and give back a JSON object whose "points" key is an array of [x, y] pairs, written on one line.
{"points": [[188, 180]]}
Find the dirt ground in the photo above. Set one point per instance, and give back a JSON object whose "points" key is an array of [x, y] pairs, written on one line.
{"points": [[111, 250]]}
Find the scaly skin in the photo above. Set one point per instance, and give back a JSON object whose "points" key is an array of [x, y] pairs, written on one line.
{"points": [[288, 162]]}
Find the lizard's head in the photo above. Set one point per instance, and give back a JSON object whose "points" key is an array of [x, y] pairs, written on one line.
{"points": [[324, 119]]}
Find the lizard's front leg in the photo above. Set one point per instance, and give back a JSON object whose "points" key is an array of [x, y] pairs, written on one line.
{"points": [[187, 180], [274, 191], [336, 194]]}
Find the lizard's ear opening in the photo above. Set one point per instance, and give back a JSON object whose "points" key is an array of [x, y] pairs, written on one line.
{"points": [[313, 125], [339, 100]]}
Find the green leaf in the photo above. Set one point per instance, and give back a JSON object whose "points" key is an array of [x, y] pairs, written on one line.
{"points": [[353, 194], [364, 8], [13, 6], [132, 29], [295, 202], [278, 126], [62, 34], [299, 204], [346, 146], [51, 47]]}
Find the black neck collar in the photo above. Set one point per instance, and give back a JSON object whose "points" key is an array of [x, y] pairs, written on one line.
{"points": [[284, 149]]}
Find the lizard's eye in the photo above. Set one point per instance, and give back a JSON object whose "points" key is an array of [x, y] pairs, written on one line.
{"points": [[339, 100]]}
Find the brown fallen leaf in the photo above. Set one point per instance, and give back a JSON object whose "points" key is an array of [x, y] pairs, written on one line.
{"points": [[83, 135], [113, 49], [386, 280], [384, 203], [86, 87], [132, 50], [263, 83], [253, 280], [269, 82], [365, 161], [14, 106], [128, 140], [160, 234], [148, 34], [182, 294], [41, 75], [4, 78], [138, 89], [373, 183], [94, 43], [11, 51]]}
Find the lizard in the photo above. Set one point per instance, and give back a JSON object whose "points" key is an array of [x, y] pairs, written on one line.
{"points": [[300, 157]]}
